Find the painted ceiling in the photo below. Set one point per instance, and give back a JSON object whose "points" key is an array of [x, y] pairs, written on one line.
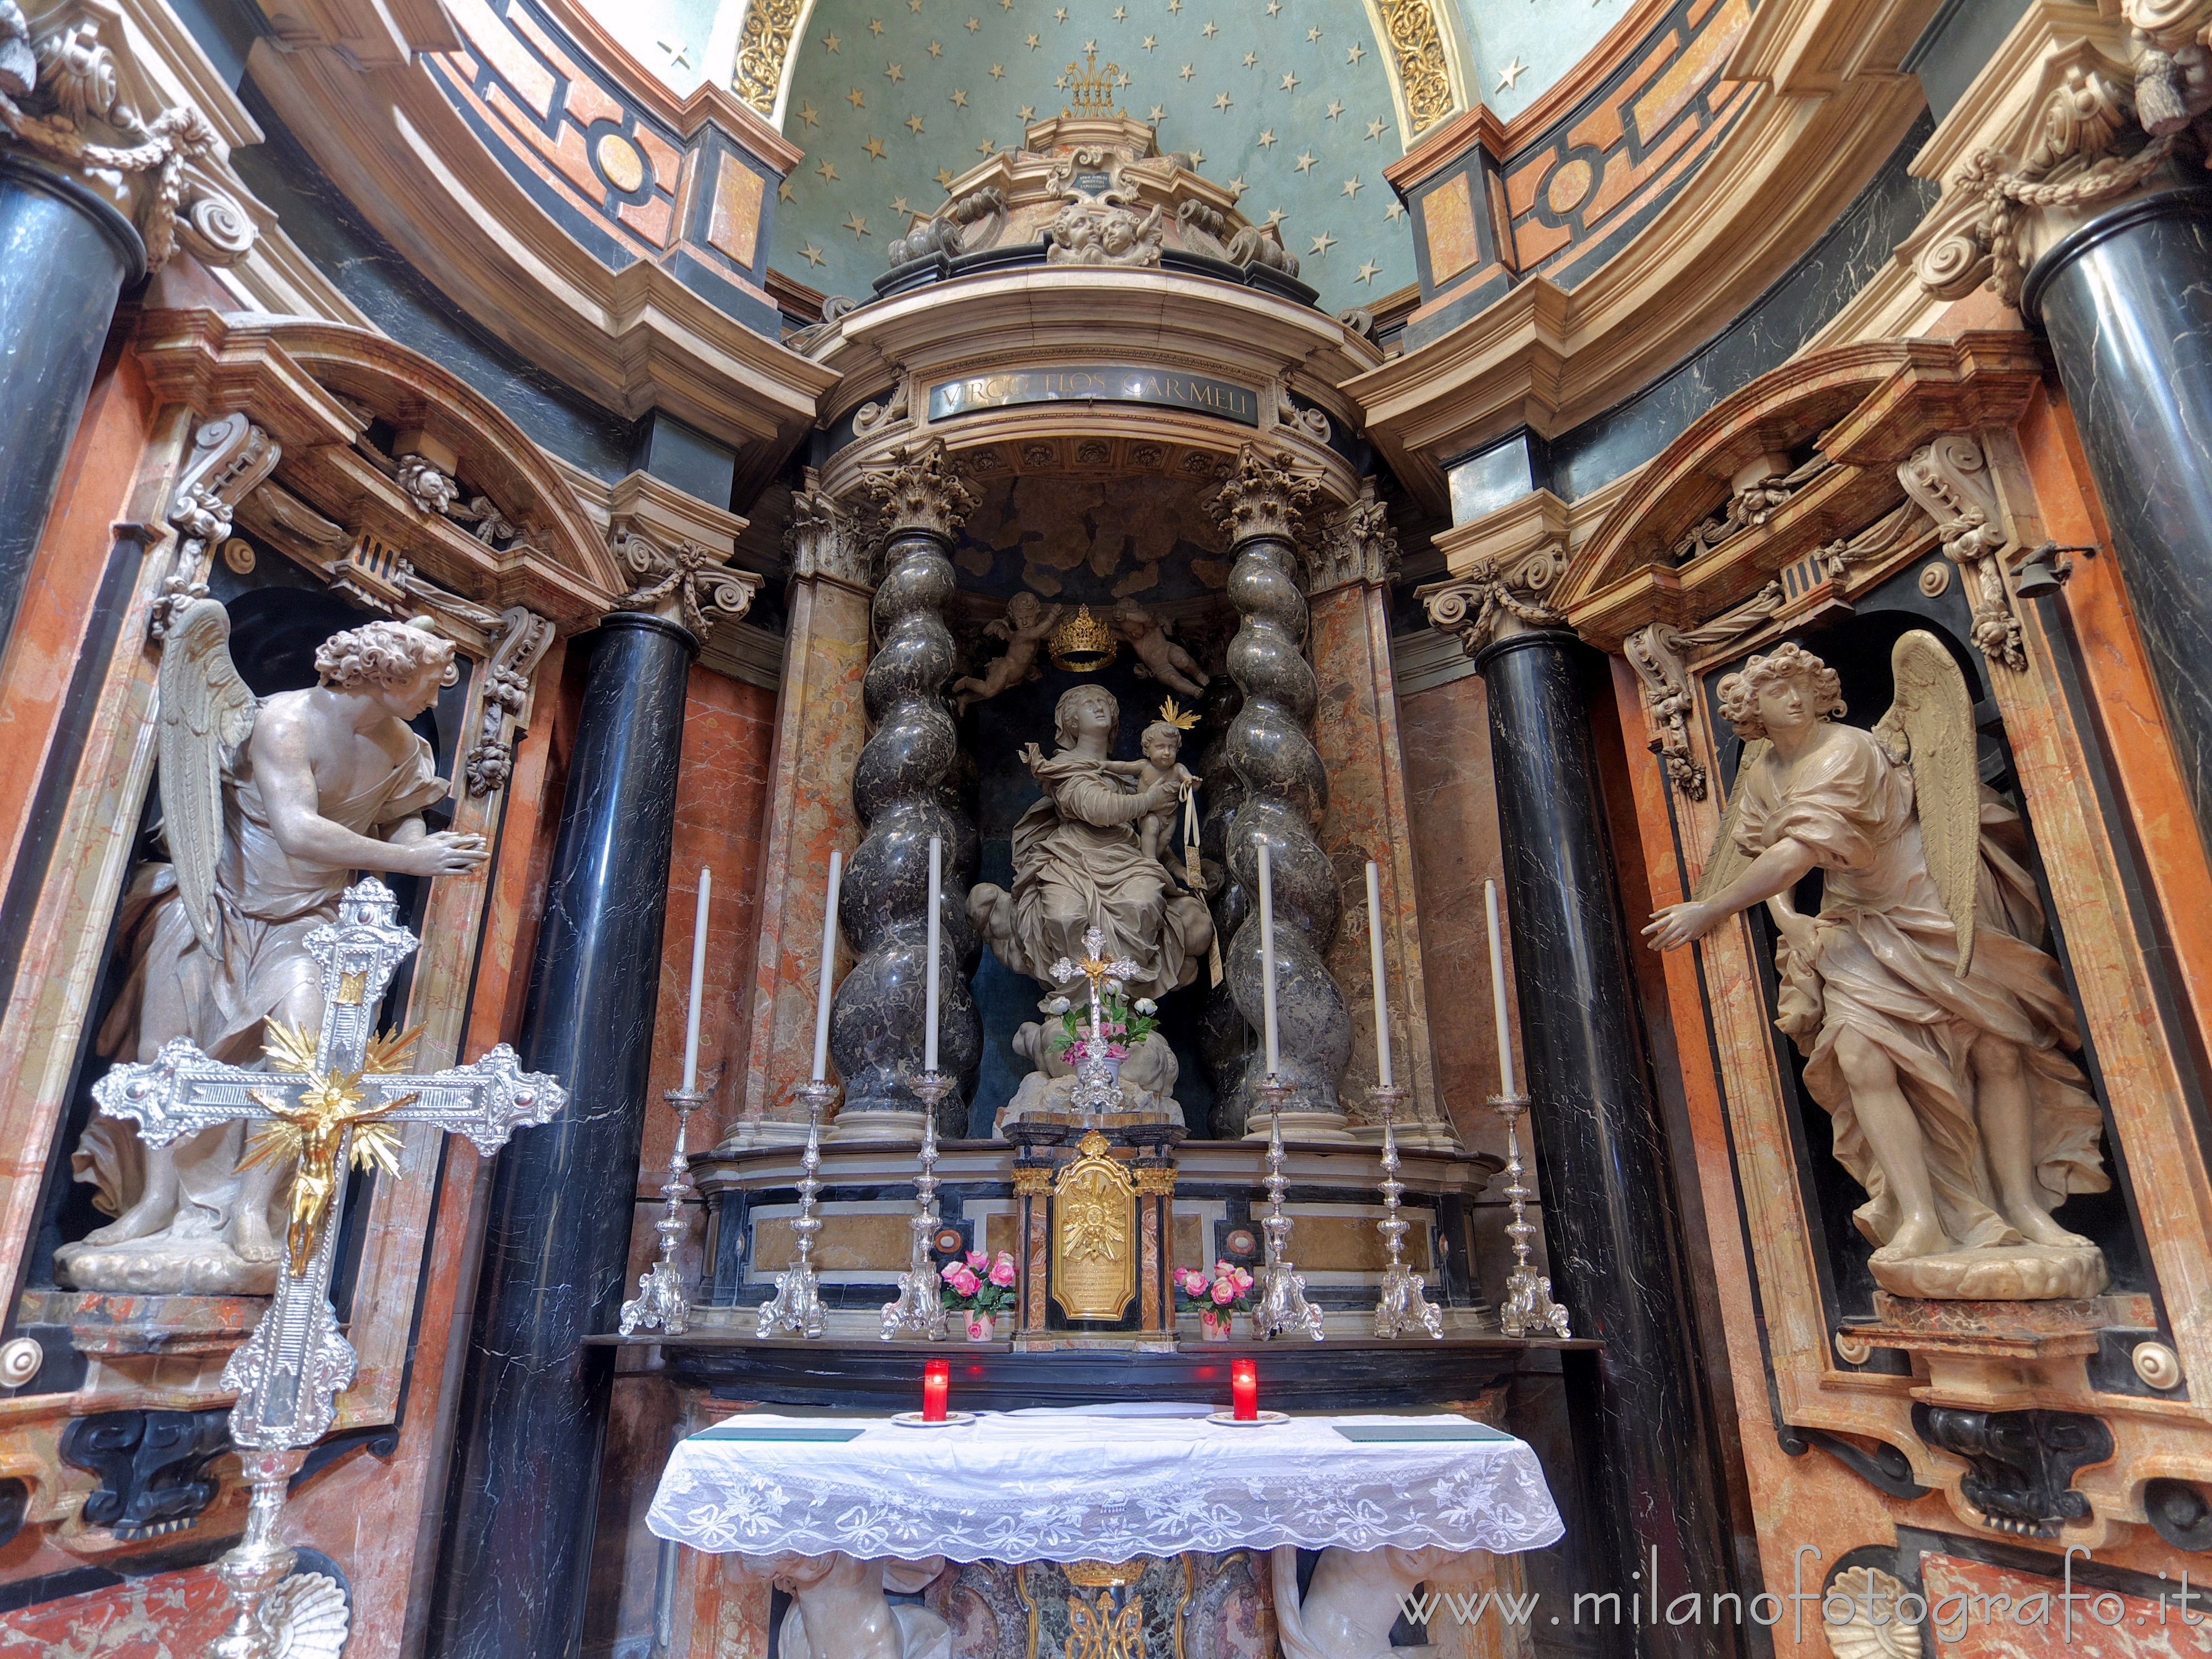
{"points": [[891, 98]]}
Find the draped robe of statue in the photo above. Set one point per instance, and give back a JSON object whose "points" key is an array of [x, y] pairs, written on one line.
{"points": [[1883, 966], [1077, 863]]}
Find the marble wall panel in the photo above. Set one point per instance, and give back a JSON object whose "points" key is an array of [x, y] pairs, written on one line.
{"points": [[154, 1617]]}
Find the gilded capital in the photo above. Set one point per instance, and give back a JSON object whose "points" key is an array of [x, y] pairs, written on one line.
{"points": [[1498, 595], [919, 491], [72, 97], [1265, 495], [685, 584]]}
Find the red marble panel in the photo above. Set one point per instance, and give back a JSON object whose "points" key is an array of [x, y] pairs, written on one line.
{"points": [[1978, 1611], [170, 1613]]}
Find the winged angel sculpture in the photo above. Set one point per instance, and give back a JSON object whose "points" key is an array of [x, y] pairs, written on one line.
{"points": [[269, 807], [1934, 1025]]}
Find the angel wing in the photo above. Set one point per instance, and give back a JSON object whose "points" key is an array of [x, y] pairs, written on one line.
{"points": [[1932, 721], [1726, 860], [207, 712]]}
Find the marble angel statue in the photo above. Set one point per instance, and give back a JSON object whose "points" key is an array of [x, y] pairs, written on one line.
{"points": [[1934, 1023], [270, 806]]}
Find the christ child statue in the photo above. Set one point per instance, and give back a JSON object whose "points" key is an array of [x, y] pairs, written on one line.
{"points": [[1028, 623], [1161, 744]]}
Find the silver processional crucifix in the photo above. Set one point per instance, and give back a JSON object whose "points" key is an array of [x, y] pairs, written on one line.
{"points": [[328, 1099]]}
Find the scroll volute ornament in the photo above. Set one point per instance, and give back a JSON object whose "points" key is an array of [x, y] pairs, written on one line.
{"points": [[1498, 596], [687, 583], [1950, 478], [1265, 496], [919, 489], [68, 99]]}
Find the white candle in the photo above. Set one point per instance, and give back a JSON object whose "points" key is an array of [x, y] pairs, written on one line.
{"points": [[936, 890], [698, 981], [1498, 990], [1382, 982], [829, 967], [1267, 960]]}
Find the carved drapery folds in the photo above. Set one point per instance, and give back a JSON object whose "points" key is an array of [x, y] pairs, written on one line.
{"points": [[1286, 785], [68, 99], [1950, 480], [2104, 129], [1498, 595], [686, 584]]}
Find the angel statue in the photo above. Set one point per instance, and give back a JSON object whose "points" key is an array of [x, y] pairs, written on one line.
{"points": [[1935, 1025], [269, 806]]}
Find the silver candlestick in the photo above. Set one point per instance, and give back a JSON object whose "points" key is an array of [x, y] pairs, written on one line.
{"points": [[796, 1310], [1401, 1306], [660, 1300], [1283, 1305], [920, 1309], [1528, 1305]]}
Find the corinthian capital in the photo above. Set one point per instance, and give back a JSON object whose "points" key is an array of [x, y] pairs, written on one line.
{"points": [[1358, 546], [823, 541], [1498, 595], [72, 96], [1265, 495], [919, 491], [686, 584]]}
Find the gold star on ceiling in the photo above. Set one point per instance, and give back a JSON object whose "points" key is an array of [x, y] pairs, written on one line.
{"points": [[875, 148], [1374, 129], [1511, 73], [959, 99], [1222, 100], [998, 71], [1354, 53], [856, 99], [914, 5], [944, 178], [1028, 114], [875, 25], [1061, 16], [784, 193], [857, 225], [1250, 59], [811, 115], [1368, 272], [1091, 46], [833, 43], [974, 24], [1312, 35], [1031, 41], [1322, 243], [1351, 187], [1306, 162], [1175, 5], [1120, 14], [1335, 108], [1151, 43], [1290, 83], [1235, 186], [1275, 216], [986, 148], [828, 169], [1211, 29], [1266, 137], [1395, 212], [894, 74], [1274, 7], [811, 254], [1188, 70], [913, 124], [1158, 114], [898, 205], [1197, 158], [935, 50]]}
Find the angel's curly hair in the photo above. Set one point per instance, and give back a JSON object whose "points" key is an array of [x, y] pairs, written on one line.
{"points": [[381, 654], [1738, 692]]}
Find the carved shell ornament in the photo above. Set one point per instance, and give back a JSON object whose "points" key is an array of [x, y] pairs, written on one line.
{"points": [[306, 1617], [1870, 1629]]}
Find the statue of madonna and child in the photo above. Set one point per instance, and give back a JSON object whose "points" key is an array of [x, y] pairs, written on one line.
{"points": [[1089, 854], [1934, 1020]]}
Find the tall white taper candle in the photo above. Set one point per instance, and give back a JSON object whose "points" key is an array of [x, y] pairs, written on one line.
{"points": [[1382, 983], [698, 981], [1267, 960], [1498, 990], [936, 890], [829, 967]]}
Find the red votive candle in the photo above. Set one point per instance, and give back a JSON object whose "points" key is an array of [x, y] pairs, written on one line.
{"points": [[936, 1383], [1244, 1390]]}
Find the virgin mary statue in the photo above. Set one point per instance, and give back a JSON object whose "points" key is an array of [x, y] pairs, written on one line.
{"points": [[1936, 1026]]}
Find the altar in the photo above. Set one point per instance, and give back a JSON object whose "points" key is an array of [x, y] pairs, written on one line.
{"points": [[1121, 1517]]}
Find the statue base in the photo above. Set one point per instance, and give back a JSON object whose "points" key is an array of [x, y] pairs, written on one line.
{"points": [[1305, 1124], [164, 1267], [880, 1124], [2011, 1273], [1041, 1099]]}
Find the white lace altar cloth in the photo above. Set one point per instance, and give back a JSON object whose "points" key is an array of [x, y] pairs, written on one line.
{"points": [[1069, 1486]]}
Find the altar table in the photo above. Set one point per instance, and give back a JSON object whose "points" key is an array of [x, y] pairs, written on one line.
{"points": [[1100, 1484]]}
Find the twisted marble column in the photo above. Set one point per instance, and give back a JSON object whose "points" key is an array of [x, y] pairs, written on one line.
{"points": [[901, 791], [1285, 792]]}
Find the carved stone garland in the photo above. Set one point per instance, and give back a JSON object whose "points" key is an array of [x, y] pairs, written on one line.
{"points": [[900, 791], [1285, 788], [1499, 594]]}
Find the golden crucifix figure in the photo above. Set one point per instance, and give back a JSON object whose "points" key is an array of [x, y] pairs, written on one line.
{"points": [[313, 1128]]}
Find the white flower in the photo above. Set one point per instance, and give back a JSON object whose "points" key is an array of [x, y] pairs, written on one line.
{"points": [[1057, 1005], [1146, 1006]]}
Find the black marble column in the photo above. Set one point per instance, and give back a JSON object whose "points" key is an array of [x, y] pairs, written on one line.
{"points": [[65, 257], [516, 1555], [2127, 300], [1615, 1250]]}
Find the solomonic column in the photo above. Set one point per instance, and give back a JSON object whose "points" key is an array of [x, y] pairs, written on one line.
{"points": [[95, 193], [1285, 793], [1616, 1251], [901, 791], [534, 1400]]}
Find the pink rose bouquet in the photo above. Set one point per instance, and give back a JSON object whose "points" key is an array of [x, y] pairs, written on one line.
{"points": [[979, 1285]]}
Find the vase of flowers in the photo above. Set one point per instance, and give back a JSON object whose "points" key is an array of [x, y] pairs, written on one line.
{"points": [[1122, 1026], [1222, 1300], [977, 1290]]}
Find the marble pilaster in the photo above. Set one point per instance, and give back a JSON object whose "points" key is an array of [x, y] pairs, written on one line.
{"points": [[820, 728]]}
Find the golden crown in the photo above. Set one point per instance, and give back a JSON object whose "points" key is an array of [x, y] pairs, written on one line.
{"points": [[1093, 87], [1083, 644]]}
